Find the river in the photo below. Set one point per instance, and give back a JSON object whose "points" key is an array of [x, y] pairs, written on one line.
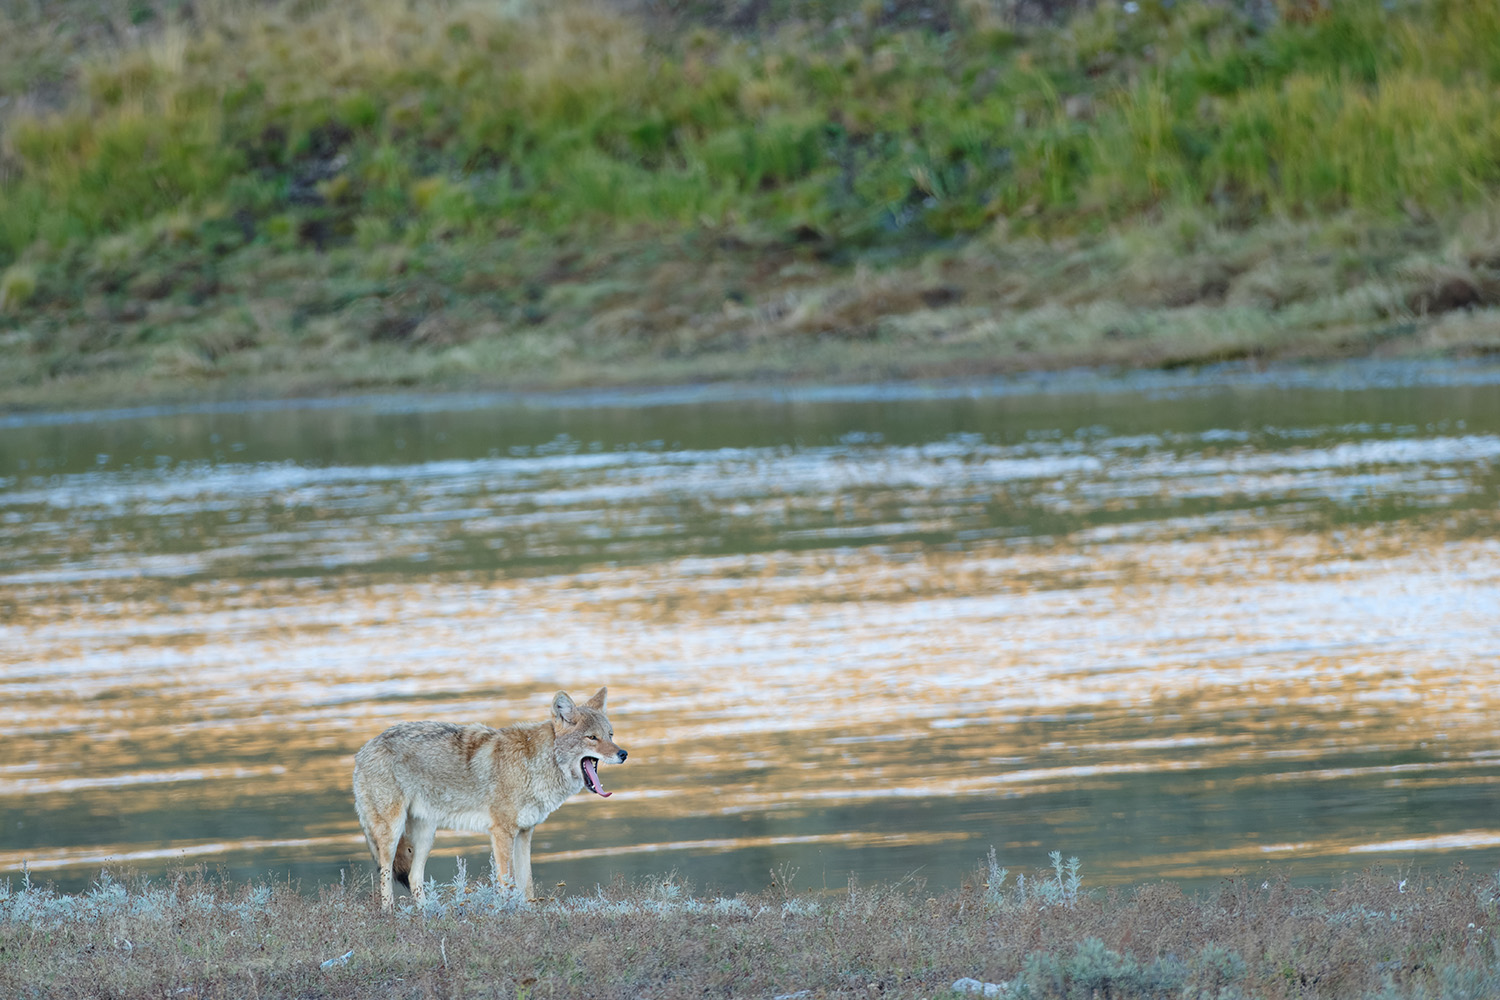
{"points": [[1175, 625]]}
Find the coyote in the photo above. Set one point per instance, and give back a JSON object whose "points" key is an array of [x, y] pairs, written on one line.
{"points": [[418, 776]]}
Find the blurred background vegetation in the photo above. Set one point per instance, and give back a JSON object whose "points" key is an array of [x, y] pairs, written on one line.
{"points": [[312, 195]]}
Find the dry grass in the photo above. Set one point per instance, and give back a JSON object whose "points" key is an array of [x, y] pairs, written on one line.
{"points": [[1379, 934], [152, 323]]}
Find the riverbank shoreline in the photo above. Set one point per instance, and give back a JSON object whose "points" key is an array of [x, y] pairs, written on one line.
{"points": [[1341, 374], [636, 316]]}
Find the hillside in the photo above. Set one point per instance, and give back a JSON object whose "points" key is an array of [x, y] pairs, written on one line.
{"points": [[291, 196]]}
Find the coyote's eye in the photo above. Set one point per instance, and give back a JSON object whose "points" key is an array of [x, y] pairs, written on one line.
{"points": [[592, 737]]}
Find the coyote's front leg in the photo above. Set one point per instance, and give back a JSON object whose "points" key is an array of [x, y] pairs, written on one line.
{"points": [[520, 862], [503, 853]]}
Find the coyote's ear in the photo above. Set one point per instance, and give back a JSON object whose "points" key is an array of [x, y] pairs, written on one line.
{"points": [[563, 709], [597, 701]]}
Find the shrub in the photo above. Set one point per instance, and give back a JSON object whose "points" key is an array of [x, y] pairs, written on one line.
{"points": [[17, 286]]}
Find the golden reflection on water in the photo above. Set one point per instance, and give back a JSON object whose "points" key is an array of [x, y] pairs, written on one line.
{"points": [[1176, 701]]}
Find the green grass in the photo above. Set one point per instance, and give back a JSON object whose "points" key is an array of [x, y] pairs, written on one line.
{"points": [[1401, 936], [292, 196]]}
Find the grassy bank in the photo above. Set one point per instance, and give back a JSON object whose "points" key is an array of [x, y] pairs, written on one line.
{"points": [[1381, 934], [293, 196]]}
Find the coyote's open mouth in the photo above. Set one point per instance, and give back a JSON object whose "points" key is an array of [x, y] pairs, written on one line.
{"points": [[591, 776]]}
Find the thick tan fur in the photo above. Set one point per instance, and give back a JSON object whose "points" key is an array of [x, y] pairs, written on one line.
{"points": [[418, 776]]}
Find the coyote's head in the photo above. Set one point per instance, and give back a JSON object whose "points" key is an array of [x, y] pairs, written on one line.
{"points": [[584, 738]]}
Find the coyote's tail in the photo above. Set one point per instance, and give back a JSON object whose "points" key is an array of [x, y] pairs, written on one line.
{"points": [[401, 865]]}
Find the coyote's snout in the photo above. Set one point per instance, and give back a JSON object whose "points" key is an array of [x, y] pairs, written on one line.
{"points": [[418, 776]]}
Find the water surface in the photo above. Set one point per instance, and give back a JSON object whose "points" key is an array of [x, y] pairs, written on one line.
{"points": [[1175, 626]]}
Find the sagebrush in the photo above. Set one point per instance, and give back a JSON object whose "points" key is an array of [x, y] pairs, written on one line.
{"points": [[1378, 933]]}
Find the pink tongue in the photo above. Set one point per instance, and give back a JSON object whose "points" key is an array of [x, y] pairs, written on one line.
{"points": [[591, 777]]}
